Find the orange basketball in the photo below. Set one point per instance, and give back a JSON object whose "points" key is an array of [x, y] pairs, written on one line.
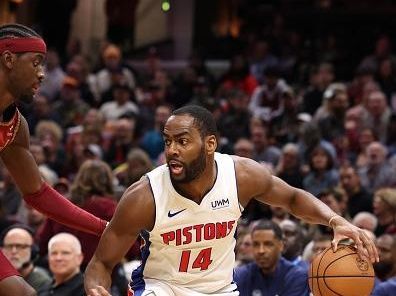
{"points": [[340, 273]]}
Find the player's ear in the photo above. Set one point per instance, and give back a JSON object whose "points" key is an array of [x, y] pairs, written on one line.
{"points": [[211, 144], [7, 59]]}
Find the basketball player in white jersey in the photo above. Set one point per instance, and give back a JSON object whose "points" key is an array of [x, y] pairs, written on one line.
{"points": [[187, 213]]}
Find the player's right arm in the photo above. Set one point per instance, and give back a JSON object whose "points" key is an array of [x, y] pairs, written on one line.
{"points": [[135, 212]]}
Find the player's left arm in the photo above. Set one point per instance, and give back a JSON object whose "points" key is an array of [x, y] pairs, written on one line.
{"points": [[24, 170], [255, 181]]}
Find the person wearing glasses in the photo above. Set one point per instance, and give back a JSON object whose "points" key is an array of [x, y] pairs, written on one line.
{"points": [[19, 248]]}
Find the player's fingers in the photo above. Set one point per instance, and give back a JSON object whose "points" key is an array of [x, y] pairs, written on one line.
{"points": [[362, 252], [334, 244], [371, 248]]}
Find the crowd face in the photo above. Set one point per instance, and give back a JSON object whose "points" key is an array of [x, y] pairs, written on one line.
{"points": [[64, 260], [267, 249], [17, 247], [349, 179]]}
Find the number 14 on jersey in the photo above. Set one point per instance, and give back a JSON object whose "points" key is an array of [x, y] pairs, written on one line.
{"points": [[202, 261]]}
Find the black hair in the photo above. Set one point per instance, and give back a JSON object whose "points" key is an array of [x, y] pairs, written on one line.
{"points": [[17, 30], [203, 119], [269, 225]]}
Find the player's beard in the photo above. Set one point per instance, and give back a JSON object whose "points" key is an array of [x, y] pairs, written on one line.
{"points": [[194, 169]]}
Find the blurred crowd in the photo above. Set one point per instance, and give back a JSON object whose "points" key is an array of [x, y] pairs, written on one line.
{"points": [[96, 129]]}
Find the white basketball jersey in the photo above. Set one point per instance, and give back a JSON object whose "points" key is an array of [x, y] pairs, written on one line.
{"points": [[192, 245]]}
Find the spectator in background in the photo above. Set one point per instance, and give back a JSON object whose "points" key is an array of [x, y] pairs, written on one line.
{"points": [[384, 207], [270, 274], [384, 269], [64, 258], [50, 135], [234, 122], [377, 114], [10, 196], [18, 245], [91, 190], [359, 199], [382, 50], [322, 174], [113, 71], [293, 241], [243, 248], [377, 173], [55, 75], [39, 155], [309, 138], [238, 77], [387, 288], [263, 150], [78, 69], [319, 243], [320, 78], [365, 220], [285, 127], [336, 199], [244, 148], [122, 103], [40, 110], [138, 163], [366, 136], [289, 166], [152, 141], [70, 107], [122, 141], [267, 101], [331, 120]]}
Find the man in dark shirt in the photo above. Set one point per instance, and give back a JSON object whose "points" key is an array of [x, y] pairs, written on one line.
{"points": [[388, 287], [359, 199], [270, 274], [64, 258]]}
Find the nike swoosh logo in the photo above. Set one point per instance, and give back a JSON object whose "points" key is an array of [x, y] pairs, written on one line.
{"points": [[170, 215]]}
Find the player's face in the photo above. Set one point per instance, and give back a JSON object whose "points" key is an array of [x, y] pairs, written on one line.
{"points": [[26, 75], [266, 249], [184, 149]]}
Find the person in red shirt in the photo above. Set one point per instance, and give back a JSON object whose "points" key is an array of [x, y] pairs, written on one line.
{"points": [[22, 52]]}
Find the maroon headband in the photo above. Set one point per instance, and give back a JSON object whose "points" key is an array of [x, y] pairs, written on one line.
{"points": [[19, 45]]}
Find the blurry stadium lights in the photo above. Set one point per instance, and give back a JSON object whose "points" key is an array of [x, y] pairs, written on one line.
{"points": [[165, 5]]}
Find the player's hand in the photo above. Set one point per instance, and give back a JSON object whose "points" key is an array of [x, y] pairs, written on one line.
{"points": [[364, 244], [98, 291]]}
